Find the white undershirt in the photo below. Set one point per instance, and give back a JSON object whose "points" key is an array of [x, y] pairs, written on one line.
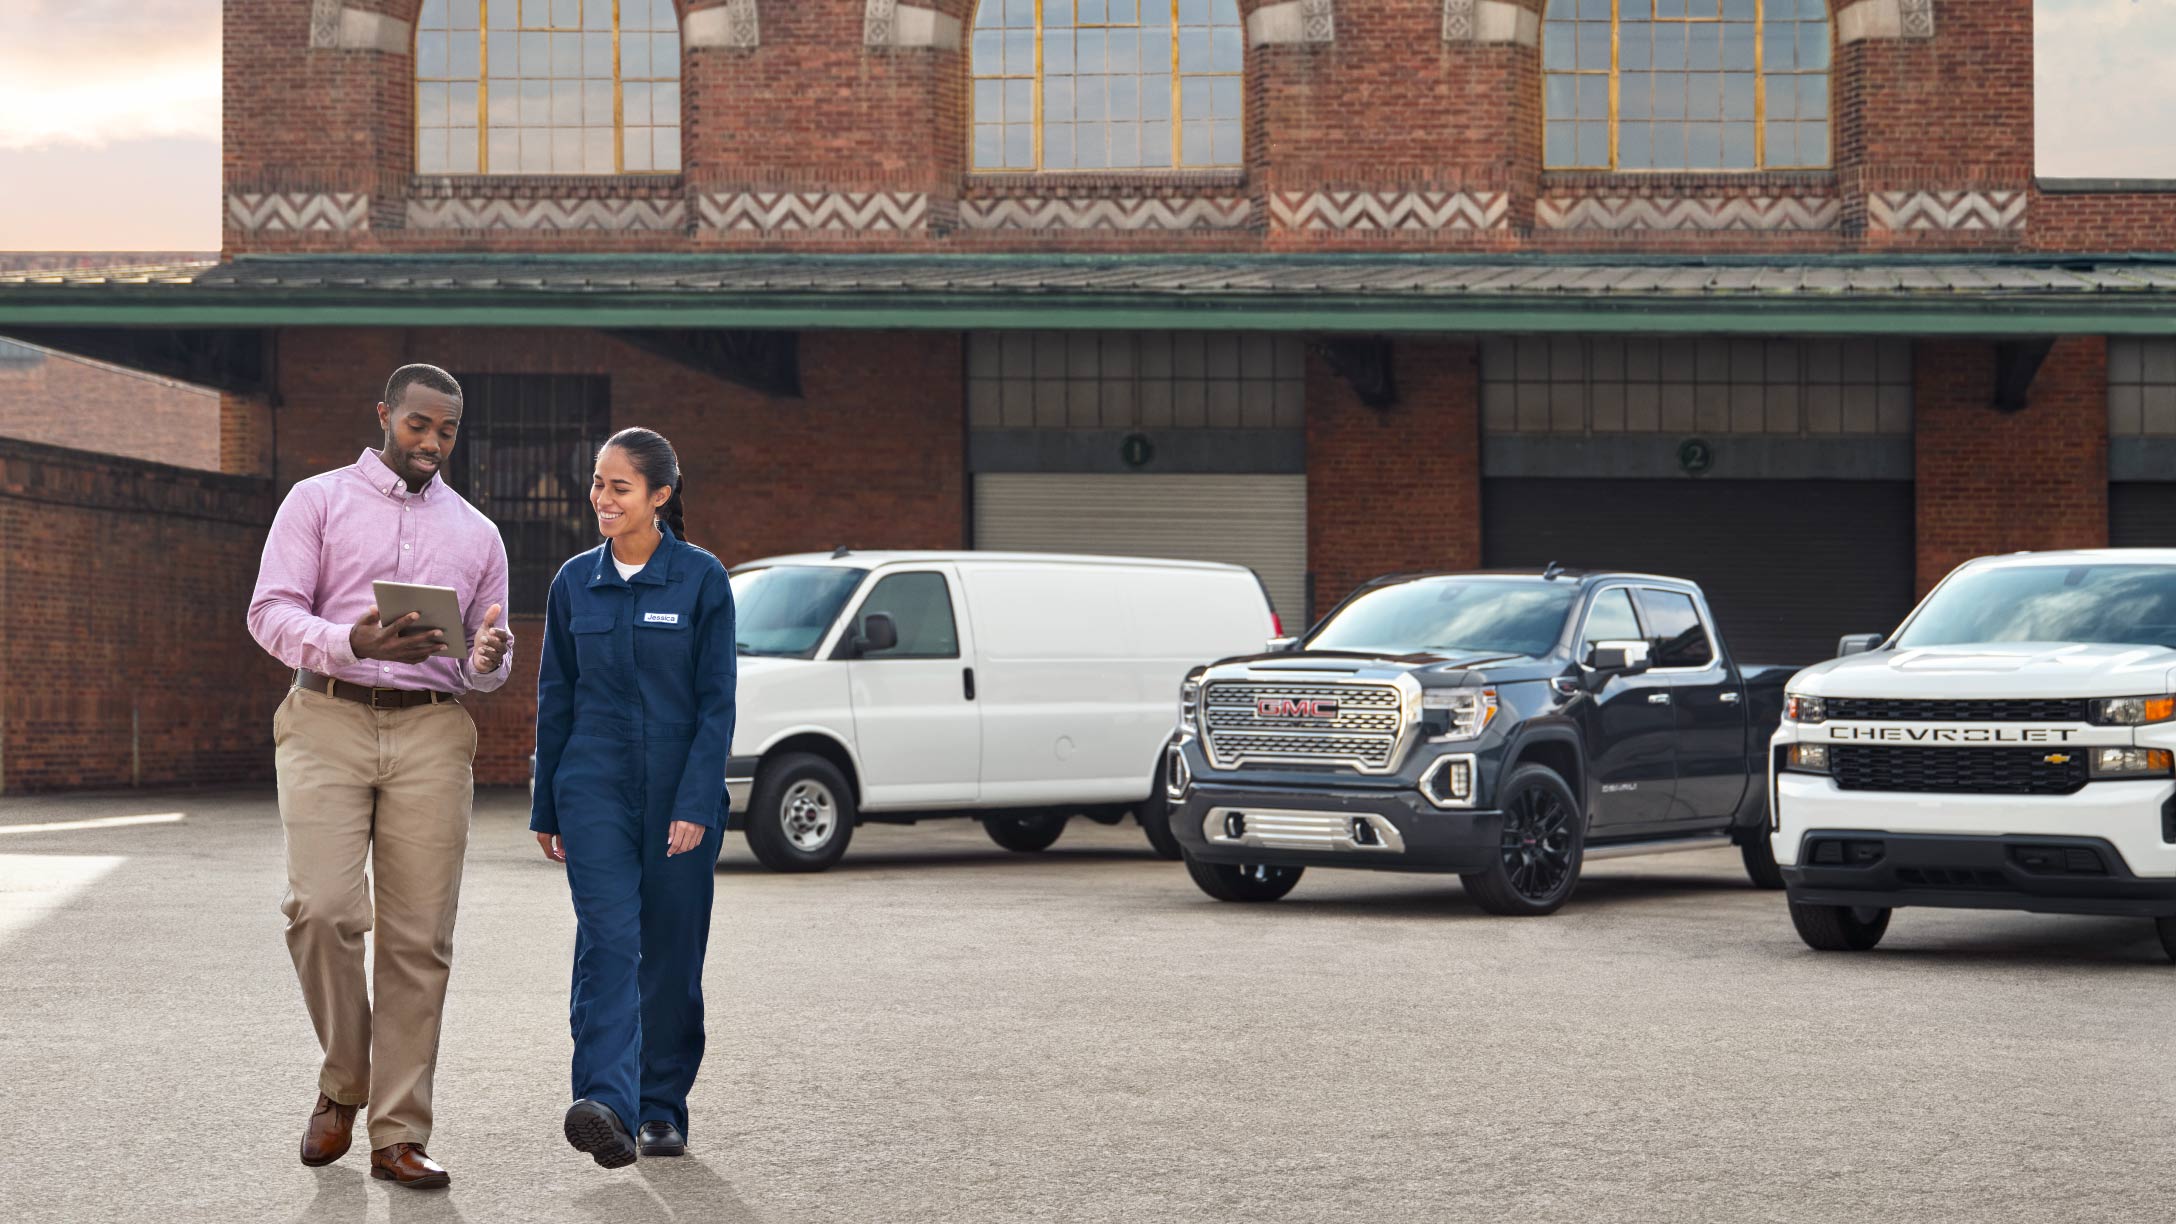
{"points": [[627, 571]]}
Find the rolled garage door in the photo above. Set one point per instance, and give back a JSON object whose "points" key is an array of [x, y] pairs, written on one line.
{"points": [[1259, 521], [1788, 566]]}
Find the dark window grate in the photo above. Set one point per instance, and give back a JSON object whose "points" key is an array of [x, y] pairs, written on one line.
{"points": [[1864, 709], [1980, 771], [527, 447]]}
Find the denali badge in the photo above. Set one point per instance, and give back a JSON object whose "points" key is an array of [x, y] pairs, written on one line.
{"points": [[1285, 707]]}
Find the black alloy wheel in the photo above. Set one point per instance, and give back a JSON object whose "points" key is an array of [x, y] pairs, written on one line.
{"points": [[1539, 854]]}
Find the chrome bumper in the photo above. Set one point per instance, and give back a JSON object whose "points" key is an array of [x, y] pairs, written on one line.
{"points": [[738, 791]]}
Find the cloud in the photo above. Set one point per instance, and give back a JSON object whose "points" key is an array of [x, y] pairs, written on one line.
{"points": [[92, 72], [2104, 98]]}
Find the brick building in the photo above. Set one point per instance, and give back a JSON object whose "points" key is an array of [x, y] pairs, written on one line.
{"points": [[1762, 292]]}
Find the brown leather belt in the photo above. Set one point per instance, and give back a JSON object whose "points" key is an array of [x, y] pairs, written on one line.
{"points": [[375, 698]]}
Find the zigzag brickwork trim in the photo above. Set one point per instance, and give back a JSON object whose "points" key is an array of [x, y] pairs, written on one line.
{"points": [[1389, 210], [1767, 214], [1133, 214], [1946, 210], [272, 212], [484, 213], [776, 211]]}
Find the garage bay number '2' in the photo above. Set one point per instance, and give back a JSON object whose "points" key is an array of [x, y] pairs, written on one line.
{"points": [[1505, 727]]}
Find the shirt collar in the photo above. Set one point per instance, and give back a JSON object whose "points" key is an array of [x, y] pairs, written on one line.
{"points": [[654, 572], [385, 480]]}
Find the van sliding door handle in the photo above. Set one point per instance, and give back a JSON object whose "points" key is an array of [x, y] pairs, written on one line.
{"points": [[967, 681], [1658, 699]]}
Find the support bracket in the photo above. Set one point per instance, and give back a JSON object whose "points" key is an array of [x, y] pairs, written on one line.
{"points": [[2017, 363], [1364, 363], [768, 362]]}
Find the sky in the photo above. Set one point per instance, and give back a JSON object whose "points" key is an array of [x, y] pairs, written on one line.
{"points": [[109, 113]]}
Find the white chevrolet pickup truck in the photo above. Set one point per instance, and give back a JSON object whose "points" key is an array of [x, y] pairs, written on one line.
{"points": [[2009, 747]]}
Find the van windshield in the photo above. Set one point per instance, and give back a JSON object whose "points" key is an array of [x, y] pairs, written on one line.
{"points": [[784, 610], [1452, 616], [2120, 605]]}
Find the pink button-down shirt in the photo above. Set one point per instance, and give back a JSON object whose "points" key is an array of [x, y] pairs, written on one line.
{"points": [[339, 532]]}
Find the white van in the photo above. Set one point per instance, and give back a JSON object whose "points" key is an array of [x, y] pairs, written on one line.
{"points": [[1018, 688]]}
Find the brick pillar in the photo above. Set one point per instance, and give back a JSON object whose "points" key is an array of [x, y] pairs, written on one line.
{"points": [[1396, 488], [1990, 482], [868, 139], [245, 434]]}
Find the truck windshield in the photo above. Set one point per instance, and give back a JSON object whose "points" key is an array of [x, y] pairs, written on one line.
{"points": [[2131, 605], [784, 610], [1452, 616]]}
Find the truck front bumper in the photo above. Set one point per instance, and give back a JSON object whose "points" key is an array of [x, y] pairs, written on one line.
{"points": [[1378, 828], [2133, 817], [2046, 875]]}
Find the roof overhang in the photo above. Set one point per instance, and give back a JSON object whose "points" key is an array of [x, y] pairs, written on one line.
{"points": [[1930, 295]]}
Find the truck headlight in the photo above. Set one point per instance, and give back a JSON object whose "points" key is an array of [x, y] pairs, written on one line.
{"points": [[1807, 758], [2133, 711], [1458, 713], [2131, 762], [1798, 707], [1189, 704]]}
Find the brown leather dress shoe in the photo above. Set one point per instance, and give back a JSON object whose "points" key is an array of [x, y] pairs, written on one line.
{"points": [[331, 1129], [406, 1164]]}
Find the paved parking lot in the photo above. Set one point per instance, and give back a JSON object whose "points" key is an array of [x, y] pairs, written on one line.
{"points": [[940, 1030]]}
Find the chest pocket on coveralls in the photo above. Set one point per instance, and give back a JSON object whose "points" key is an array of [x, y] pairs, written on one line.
{"points": [[663, 636], [592, 641]]}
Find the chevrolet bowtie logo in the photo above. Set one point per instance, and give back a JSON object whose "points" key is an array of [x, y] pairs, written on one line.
{"points": [[2056, 758]]}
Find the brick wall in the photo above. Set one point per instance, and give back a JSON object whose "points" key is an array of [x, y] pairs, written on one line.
{"points": [[61, 400], [870, 456], [1397, 488], [123, 655], [1990, 482]]}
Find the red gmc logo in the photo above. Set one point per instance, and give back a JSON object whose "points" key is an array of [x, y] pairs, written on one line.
{"points": [[1285, 707]]}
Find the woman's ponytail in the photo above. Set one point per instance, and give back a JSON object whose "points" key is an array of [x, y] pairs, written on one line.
{"points": [[659, 466]]}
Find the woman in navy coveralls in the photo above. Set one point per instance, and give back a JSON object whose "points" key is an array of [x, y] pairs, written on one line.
{"points": [[634, 717]]}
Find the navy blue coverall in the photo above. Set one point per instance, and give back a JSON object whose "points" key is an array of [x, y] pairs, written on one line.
{"points": [[634, 718]]}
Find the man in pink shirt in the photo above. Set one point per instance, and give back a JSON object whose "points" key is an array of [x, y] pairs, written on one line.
{"points": [[375, 758]]}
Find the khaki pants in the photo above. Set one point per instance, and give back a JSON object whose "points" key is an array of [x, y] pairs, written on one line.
{"points": [[395, 787]]}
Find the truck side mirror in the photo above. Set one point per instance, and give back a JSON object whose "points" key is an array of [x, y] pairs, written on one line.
{"points": [[1856, 643], [1608, 659], [1283, 644], [878, 633]]}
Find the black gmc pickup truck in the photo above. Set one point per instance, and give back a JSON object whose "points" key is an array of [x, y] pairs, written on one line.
{"points": [[1503, 726]]}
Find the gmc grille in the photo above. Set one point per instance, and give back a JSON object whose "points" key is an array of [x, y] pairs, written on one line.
{"points": [[1363, 734], [1967, 771], [1865, 709]]}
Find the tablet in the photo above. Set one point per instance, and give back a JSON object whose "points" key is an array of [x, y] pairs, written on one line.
{"points": [[440, 608]]}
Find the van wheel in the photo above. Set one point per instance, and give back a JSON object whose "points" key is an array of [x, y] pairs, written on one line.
{"points": [[1243, 882], [1839, 928], [1026, 832], [1760, 859], [2167, 928], [801, 814], [1544, 843]]}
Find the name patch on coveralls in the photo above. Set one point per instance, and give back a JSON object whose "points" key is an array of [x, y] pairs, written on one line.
{"points": [[661, 618]]}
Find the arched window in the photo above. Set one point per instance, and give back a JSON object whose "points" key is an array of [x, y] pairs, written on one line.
{"points": [[1686, 84], [1107, 84], [547, 87]]}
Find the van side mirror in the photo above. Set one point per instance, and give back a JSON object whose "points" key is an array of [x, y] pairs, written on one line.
{"points": [[1856, 643], [1283, 644], [1606, 659], [878, 633]]}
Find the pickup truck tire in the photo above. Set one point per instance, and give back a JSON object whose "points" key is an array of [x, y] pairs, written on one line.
{"points": [[1839, 928], [2167, 929], [1154, 814], [1760, 859], [1544, 842], [801, 814], [1025, 832], [1243, 882]]}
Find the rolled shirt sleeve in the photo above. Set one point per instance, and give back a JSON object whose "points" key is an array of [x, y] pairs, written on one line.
{"points": [[490, 589], [280, 613]]}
